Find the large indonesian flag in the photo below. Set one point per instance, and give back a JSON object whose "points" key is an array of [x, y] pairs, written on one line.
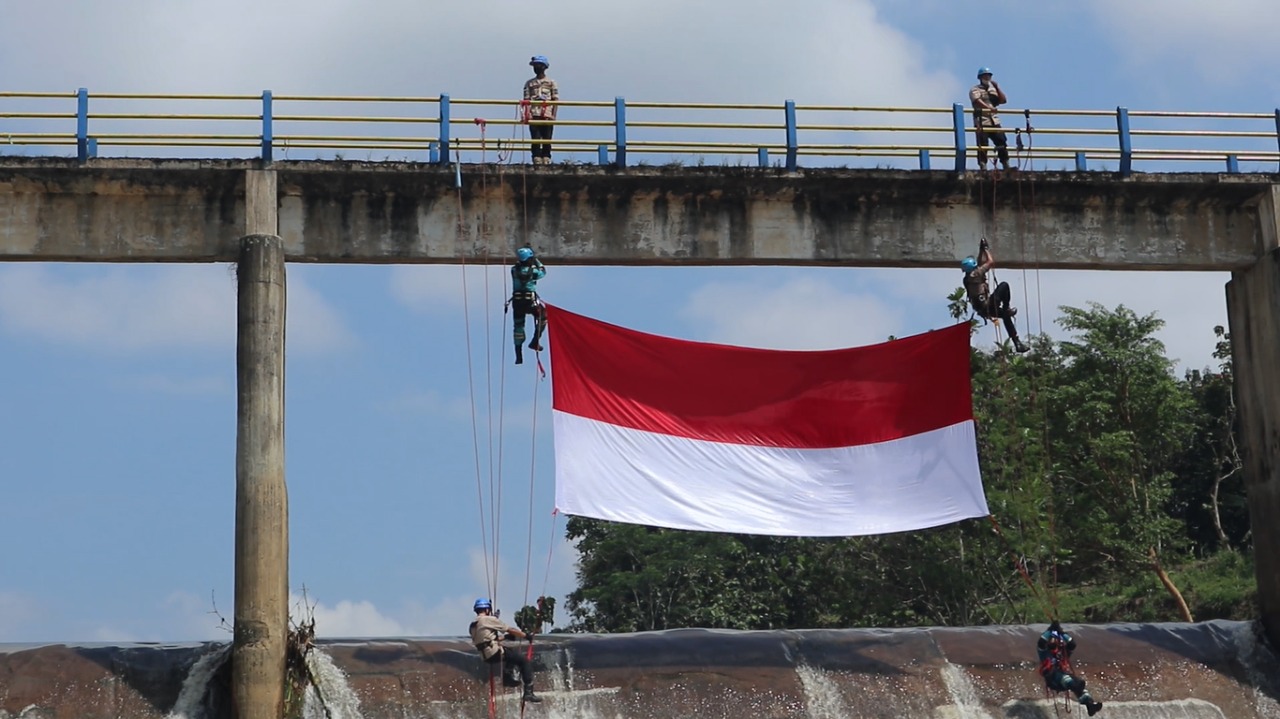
{"points": [[670, 433]]}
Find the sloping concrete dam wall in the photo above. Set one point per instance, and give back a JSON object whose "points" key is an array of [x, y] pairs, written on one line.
{"points": [[1209, 670]]}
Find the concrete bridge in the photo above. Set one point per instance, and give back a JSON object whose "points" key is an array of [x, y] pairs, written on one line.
{"points": [[263, 215]]}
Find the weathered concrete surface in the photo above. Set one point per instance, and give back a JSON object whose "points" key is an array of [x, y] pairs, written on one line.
{"points": [[262, 504], [1253, 309], [1200, 671], [165, 210]]}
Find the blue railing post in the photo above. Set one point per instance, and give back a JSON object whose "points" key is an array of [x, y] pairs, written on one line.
{"points": [[433, 152], [793, 143], [267, 136], [1233, 164], [444, 129], [603, 154], [762, 156], [924, 160], [620, 132], [82, 125], [1278, 129], [1082, 164], [957, 126], [1126, 143]]}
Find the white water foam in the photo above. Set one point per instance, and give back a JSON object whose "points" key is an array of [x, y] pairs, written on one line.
{"points": [[822, 697], [1176, 709], [965, 703], [1253, 654], [334, 698], [190, 704]]}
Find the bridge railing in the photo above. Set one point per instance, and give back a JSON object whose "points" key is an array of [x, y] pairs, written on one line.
{"points": [[618, 133]]}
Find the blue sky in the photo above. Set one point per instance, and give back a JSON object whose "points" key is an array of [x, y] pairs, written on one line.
{"points": [[118, 411]]}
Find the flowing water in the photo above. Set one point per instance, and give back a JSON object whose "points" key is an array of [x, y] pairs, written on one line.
{"points": [[1210, 670]]}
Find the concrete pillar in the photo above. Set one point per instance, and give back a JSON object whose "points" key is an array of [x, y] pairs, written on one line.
{"points": [[262, 504], [1253, 306]]}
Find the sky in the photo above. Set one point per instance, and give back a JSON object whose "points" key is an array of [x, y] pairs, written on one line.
{"points": [[118, 407]]}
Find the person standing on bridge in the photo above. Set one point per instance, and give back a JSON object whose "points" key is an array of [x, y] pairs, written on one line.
{"points": [[539, 109], [525, 274], [986, 96], [985, 303], [1054, 649], [487, 633]]}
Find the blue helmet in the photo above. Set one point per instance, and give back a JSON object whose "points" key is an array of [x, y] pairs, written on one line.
{"points": [[984, 70], [969, 264], [524, 254], [481, 605], [540, 60]]}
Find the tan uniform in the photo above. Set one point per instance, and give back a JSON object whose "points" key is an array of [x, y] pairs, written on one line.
{"points": [[487, 632], [983, 117], [539, 93]]}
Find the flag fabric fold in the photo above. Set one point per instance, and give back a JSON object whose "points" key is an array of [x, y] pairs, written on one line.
{"points": [[690, 435]]}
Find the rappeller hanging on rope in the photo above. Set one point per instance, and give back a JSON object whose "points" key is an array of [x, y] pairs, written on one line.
{"points": [[987, 304], [525, 274], [1054, 648], [487, 633]]}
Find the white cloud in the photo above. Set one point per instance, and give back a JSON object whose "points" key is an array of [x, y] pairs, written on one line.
{"points": [[346, 618], [803, 312], [439, 288], [127, 310], [1224, 41], [807, 309]]}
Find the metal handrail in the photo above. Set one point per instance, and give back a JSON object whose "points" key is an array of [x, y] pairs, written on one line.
{"points": [[775, 132]]}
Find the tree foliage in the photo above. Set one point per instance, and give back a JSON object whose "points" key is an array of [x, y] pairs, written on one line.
{"points": [[1097, 461]]}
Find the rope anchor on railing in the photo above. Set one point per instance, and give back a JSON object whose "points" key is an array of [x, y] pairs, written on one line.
{"points": [[1018, 131]]}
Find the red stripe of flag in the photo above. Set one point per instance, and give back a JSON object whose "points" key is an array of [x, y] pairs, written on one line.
{"points": [[739, 395]]}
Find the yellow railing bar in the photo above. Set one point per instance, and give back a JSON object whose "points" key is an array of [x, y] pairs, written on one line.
{"points": [[351, 118], [40, 141], [169, 96], [33, 135], [855, 108], [172, 136], [1201, 153], [707, 125], [1056, 113], [1210, 115], [693, 143], [709, 151], [882, 147], [351, 98], [151, 116], [700, 106], [1063, 131], [1205, 133], [181, 143], [475, 143], [550, 103], [505, 121], [38, 115], [37, 95], [869, 128], [349, 138]]}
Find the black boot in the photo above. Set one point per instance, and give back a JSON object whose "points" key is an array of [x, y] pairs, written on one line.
{"points": [[529, 696], [519, 355], [535, 345], [1094, 707], [1018, 346]]}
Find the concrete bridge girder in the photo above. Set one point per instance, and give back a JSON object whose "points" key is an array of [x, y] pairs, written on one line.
{"points": [[178, 211]]}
